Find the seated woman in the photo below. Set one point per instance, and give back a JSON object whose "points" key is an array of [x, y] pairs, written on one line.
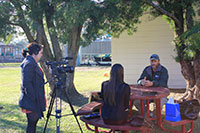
{"points": [[115, 94]]}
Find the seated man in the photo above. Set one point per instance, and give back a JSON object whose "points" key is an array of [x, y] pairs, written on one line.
{"points": [[154, 75]]}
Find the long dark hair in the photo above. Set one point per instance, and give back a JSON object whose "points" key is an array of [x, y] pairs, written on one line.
{"points": [[116, 78], [32, 48]]}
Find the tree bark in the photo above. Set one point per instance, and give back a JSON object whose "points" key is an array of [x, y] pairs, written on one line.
{"points": [[190, 68], [188, 73], [73, 48], [27, 32], [197, 77], [41, 38], [22, 22], [54, 54], [189, 16], [52, 32], [164, 12], [187, 69]]}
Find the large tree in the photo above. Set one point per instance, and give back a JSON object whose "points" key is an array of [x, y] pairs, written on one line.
{"points": [[75, 23], [181, 15]]}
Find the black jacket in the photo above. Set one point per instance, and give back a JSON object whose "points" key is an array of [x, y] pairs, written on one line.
{"points": [[32, 87], [119, 111], [159, 78]]}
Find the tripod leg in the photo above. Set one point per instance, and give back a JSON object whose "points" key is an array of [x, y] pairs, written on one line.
{"points": [[58, 114], [50, 109], [74, 113]]}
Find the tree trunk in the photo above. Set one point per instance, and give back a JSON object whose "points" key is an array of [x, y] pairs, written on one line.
{"points": [[27, 32], [47, 54], [55, 54], [189, 68], [52, 32], [188, 73], [197, 78], [73, 48], [70, 88], [192, 76]]}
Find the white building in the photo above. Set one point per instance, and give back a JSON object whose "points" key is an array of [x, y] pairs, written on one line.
{"points": [[133, 51]]}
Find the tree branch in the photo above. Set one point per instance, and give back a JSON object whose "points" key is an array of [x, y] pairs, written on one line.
{"points": [[11, 23], [189, 17], [23, 25], [164, 12], [53, 35], [27, 32]]}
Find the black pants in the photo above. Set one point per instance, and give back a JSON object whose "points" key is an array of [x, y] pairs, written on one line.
{"points": [[32, 122]]}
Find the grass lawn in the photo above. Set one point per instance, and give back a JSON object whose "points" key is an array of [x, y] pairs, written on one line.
{"points": [[9, 64], [11, 118]]}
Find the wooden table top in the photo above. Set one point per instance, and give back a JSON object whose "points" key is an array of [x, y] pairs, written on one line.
{"points": [[137, 92]]}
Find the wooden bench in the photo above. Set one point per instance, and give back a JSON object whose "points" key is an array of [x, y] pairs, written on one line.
{"points": [[89, 108], [98, 122], [181, 123]]}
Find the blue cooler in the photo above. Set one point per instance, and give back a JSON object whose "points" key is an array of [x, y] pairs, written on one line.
{"points": [[172, 112]]}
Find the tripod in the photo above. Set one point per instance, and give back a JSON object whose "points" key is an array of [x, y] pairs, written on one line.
{"points": [[59, 86]]}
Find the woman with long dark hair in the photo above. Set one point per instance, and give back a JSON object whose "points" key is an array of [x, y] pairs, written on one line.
{"points": [[32, 99], [116, 94]]}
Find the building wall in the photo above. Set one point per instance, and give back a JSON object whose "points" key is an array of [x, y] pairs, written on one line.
{"points": [[97, 47], [133, 51]]}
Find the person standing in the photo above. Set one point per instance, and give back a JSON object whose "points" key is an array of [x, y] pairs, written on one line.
{"points": [[32, 98]]}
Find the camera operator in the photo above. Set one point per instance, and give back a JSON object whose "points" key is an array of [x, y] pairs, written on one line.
{"points": [[32, 99]]}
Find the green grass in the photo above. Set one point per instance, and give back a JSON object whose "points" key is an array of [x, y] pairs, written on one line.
{"points": [[13, 120], [9, 64], [89, 80]]}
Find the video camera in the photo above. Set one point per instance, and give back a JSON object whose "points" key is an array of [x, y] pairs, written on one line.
{"points": [[58, 71], [60, 67]]}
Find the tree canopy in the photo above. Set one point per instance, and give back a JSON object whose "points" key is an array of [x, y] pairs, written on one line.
{"points": [[75, 23], [79, 22]]}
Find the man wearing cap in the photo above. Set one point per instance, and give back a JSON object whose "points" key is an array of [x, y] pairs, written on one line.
{"points": [[154, 75]]}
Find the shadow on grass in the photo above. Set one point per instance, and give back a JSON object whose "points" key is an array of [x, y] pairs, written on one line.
{"points": [[12, 125], [11, 118], [77, 100], [178, 128]]}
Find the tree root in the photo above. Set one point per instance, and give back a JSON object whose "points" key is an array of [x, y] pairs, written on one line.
{"points": [[189, 96], [197, 93], [191, 93], [184, 95]]}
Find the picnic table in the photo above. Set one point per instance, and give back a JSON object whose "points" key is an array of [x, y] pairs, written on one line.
{"points": [[137, 92], [98, 122]]}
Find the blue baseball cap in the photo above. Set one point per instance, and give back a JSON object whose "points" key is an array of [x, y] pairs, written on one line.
{"points": [[154, 57]]}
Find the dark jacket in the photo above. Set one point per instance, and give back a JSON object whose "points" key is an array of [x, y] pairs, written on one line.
{"points": [[32, 96], [159, 78], [119, 111]]}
